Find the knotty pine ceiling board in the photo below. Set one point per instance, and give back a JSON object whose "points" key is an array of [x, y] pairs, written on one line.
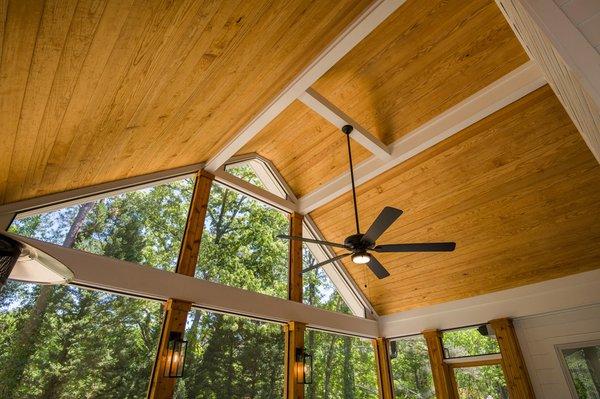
{"points": [[519, 192], [98, 90]]}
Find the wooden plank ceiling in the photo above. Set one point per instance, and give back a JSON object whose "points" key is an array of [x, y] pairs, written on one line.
{"points": [[425, 58], [519, 192], [97, 90]]}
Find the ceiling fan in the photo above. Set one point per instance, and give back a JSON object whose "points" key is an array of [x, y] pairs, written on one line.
{"points": [[360, 245]]}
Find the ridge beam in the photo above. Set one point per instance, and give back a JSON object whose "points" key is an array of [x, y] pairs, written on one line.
{"points": [[371, 18], [338, 118]]}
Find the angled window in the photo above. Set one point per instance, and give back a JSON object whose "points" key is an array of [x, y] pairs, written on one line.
{"points": [[231, 357], [343, 366], [318, 289], [150, 220], [239, 244], [259, 172], [411, 370], [69, 342]]}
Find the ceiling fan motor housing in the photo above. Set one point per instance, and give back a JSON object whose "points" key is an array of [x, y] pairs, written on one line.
{"points": [[356, 242]]}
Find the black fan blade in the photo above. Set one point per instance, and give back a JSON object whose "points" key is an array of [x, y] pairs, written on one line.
{"points": [[331, 244], [377, 268], [423, 247], [325, 262], [385, 219]]}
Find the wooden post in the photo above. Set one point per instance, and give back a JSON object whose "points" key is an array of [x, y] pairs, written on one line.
{"points": [[174, 321], [295, 272], [294, 339], [190, 247], [513, 365], [442, 377], [384, 374], [176, 311]]}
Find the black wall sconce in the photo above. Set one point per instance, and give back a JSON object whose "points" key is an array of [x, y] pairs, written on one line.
{"points": [[175, 360], [303, 366]]}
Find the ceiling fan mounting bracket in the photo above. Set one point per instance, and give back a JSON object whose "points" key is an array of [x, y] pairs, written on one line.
{"points": [[347, 129]]}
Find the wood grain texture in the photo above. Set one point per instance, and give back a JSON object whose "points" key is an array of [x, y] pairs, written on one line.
{"points": [[440, 371], [295, 264], [192, 236], [98, 90], [176, 312], [384, 374], [519, 193], [513, 365], [305, 148], [424, 59]]}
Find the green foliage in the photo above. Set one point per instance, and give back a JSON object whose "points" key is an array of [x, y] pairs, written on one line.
{"points": [[411, 371]]}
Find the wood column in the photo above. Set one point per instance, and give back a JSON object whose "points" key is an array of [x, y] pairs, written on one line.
{"points": [[176, 311], [295, 272], [384, 374], [442, 377], [174, 321], [513, 365], [294, 339], [190, 247]]}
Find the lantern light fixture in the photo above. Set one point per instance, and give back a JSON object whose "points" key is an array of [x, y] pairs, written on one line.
{"points": [[303, 366], [175, 359]]}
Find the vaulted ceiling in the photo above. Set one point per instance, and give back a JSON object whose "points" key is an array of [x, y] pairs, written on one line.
{"points": [[94, 91]]}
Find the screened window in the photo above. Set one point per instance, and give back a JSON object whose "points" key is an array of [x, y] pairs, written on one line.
{"points": [[470, 341], [239, 244], [486, 382], [318, 289], [583, 365], [411, 370], [231, 357], [68, 342], [258, 173], [144, 226], [343, 367]]}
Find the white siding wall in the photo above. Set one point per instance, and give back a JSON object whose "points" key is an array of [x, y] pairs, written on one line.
{"points": [[585, 15], [538, 336]]}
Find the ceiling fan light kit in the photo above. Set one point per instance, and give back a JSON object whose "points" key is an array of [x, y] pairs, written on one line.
{"points": [[360, 244]]}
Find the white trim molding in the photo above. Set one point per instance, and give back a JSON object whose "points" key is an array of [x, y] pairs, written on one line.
{"points": [[338, 118], [104, 273], [574, 291], [499, 94], [372, 17]]}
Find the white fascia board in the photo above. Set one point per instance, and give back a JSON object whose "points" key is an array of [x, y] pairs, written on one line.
{"points": [[250, 189], [564, 293], [115, 275], [63, 199], [374, 15], [499, 94], [338, 118]]}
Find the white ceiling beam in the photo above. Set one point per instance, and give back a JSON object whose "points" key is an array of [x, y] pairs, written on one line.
{"points": [[549, 296], [250, 189], [499, 94], [338, 118], [119, 276], [374, 15]]}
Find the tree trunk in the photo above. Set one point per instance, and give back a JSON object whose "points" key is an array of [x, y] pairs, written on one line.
{"points": [[25, 342], [348, 375], [328, 363]]}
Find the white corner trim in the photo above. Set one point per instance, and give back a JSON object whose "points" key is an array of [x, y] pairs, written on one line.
{"points": [[499, 94], [338, 118], [115, 275], [374, 15], [569, 292]]}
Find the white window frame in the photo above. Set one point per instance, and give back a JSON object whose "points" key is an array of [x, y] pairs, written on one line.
{"points": [[563, 362]]}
